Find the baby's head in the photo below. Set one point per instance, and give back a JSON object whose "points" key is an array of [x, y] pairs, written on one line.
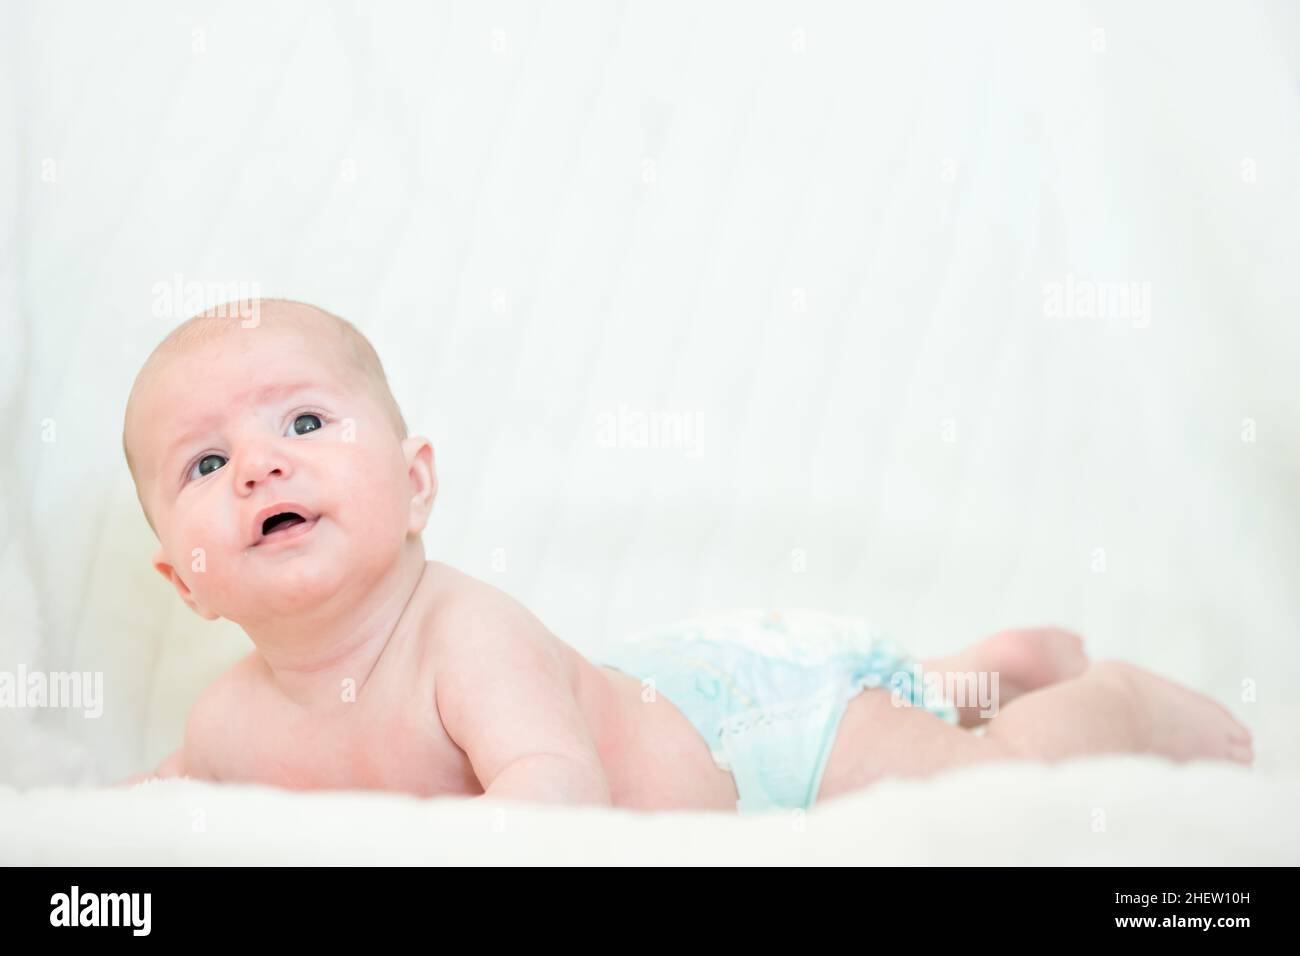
{"points": [[229, 425]]}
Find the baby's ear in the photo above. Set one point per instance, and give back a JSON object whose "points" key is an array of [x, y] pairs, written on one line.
{"points": [[164, 568], [424, 481]]}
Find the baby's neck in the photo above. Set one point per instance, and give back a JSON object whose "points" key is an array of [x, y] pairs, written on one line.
{"points": [[312, 658]]}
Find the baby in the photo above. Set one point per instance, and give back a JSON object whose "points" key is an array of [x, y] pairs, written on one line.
{"points": [[276, 470]]}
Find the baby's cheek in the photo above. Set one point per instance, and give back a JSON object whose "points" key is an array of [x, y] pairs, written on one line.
{"points": [[380, 486], [206, 553], [386, 511]]}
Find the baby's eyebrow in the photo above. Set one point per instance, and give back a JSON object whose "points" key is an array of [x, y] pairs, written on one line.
{"points": [[257, 396]]}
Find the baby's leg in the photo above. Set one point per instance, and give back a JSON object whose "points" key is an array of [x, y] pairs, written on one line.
{"points": [[1023, 660], [1113, 707], [1118, 708]]}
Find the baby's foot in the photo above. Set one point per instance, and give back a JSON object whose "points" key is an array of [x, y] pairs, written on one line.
{"points": [[1031, 658], [1181, 723]]}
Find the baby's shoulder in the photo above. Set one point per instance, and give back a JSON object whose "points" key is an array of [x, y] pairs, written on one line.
{"points": [[463, 602], [213, 716], [246, 676]]}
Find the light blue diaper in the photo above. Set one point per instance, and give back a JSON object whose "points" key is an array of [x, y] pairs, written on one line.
{"points": [[767, 690]]}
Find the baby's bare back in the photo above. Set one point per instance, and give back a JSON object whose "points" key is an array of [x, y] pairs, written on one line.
{"points": [[387, 733]]}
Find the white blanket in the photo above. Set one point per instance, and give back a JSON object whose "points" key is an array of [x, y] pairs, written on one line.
{"points": [[1112, 810], [862, 264]]}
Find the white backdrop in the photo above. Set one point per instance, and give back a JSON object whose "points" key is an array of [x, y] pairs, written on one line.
{"points": [[827, 240]]}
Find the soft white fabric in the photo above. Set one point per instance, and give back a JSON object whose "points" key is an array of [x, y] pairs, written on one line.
{"points": [[1112, 811], [824, 239]]}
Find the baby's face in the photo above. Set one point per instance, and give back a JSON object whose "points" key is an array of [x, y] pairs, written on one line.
{"points": [[258, 422]]}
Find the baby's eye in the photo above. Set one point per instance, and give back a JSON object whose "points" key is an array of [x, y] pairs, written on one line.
{"points": [[207, 465], [304, 424]]}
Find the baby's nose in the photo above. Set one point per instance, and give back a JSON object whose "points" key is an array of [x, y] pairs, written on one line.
{"points": [[260, 465]]}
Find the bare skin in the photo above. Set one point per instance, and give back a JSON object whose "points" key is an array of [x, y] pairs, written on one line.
{"points": [[1059, 706], [390, 736], [374, 668]]}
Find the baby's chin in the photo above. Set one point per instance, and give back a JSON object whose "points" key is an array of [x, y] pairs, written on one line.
{"points": [[290, 583], [299, 574], [293, 587]]}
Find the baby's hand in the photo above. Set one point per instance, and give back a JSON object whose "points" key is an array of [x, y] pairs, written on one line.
{"points": [[547, 778], [172, 766]]}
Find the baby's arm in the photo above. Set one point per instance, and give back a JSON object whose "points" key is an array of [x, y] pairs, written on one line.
{"points": [[206, 721], [505, 693]]}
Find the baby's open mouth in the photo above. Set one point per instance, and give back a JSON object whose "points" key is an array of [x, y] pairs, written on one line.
{"points": [[281, 522]]}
